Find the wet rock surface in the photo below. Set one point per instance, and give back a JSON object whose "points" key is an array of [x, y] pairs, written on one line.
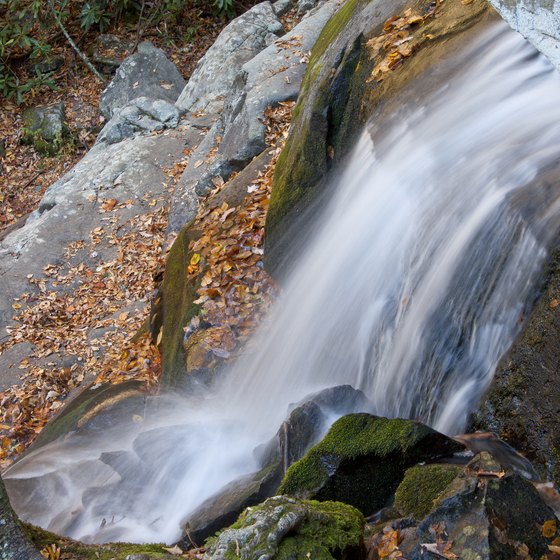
{"points": [[362, 460], [522, 403]]}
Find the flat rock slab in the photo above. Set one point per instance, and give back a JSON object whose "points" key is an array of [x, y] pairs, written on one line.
{"points": [[131, 177]]}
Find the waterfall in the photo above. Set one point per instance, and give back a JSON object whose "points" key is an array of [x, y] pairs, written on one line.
{"points": [[413, 285]]}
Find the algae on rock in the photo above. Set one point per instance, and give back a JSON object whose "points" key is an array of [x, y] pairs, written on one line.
{"points": [[421, 485]]}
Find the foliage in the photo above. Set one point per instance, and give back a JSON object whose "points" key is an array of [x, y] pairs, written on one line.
{"points": [[28, 31]]}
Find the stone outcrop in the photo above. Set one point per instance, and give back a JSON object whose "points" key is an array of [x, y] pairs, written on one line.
{"points": [[218, 69]]}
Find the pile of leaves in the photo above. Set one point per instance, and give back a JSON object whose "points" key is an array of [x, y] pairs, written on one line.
{"points": [[398, 41], [234, 289]]}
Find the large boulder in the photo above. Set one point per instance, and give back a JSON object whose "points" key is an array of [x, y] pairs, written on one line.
{"points": [[362, 460], [218, 69], [305, 425], [537, 20], [285, 528], [147, 73]]}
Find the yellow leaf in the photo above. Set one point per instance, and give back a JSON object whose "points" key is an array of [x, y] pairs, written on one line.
{"points": [[195, 259], [549, 528], [159, 336]]}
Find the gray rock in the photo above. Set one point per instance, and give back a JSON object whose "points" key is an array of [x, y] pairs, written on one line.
{"points": [[44, 128], [110, 51], [281, 7], [273, 75], [147, 73], [537, 20], [10, 360], [217, 70], [14, 544], [305, 5], [141, 115], [133, 169]]}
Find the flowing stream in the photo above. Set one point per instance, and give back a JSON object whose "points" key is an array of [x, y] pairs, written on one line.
{"points": [[412, 287]]}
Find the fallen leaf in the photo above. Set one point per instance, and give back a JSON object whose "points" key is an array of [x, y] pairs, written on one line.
{"points": [[549, 528]]}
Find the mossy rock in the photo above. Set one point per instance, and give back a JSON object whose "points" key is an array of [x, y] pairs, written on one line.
{"points": [[174, 305], [99, 407], [421, 485], [286, 528], [337, 98], [45, 129], [487, 512], [362, 460]]}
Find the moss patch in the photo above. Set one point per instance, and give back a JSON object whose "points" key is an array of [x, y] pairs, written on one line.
{"points": [[421, 486], [318, 530], [80, 551], [176, 306]]}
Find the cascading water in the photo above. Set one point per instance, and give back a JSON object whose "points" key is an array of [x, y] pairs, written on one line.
{"points": [[411, 289]]}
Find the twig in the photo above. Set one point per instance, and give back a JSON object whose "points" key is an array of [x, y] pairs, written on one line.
{"points": [[138, 26], [84, 58]]}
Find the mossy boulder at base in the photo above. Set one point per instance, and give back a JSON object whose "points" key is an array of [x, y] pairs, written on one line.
{"points": [[362, 460], [45, 129], [487, 513], [422, 484], [286, 528]]}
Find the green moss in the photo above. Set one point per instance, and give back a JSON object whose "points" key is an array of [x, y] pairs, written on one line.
{"points": [[326, 530], [350, 437], [177, 307], [330, 527], [80, 551], [421, 486]]}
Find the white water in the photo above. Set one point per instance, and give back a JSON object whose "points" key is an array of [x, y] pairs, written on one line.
{"points": [[411, 289]]}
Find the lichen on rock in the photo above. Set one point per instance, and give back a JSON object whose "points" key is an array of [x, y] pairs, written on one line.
{"points": [[283, 528]]}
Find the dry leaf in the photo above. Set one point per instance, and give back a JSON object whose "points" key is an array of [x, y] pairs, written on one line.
{"points": [[549, 528]]}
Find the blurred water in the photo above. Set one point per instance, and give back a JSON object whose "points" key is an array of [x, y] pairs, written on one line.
{"points": [[411, 289]]}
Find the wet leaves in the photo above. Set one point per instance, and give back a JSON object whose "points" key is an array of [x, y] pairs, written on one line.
{"points": [[234, 289], [397, 42]]}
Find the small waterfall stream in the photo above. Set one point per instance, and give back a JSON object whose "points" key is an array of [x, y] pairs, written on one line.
{"points": [[413, 286]]}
